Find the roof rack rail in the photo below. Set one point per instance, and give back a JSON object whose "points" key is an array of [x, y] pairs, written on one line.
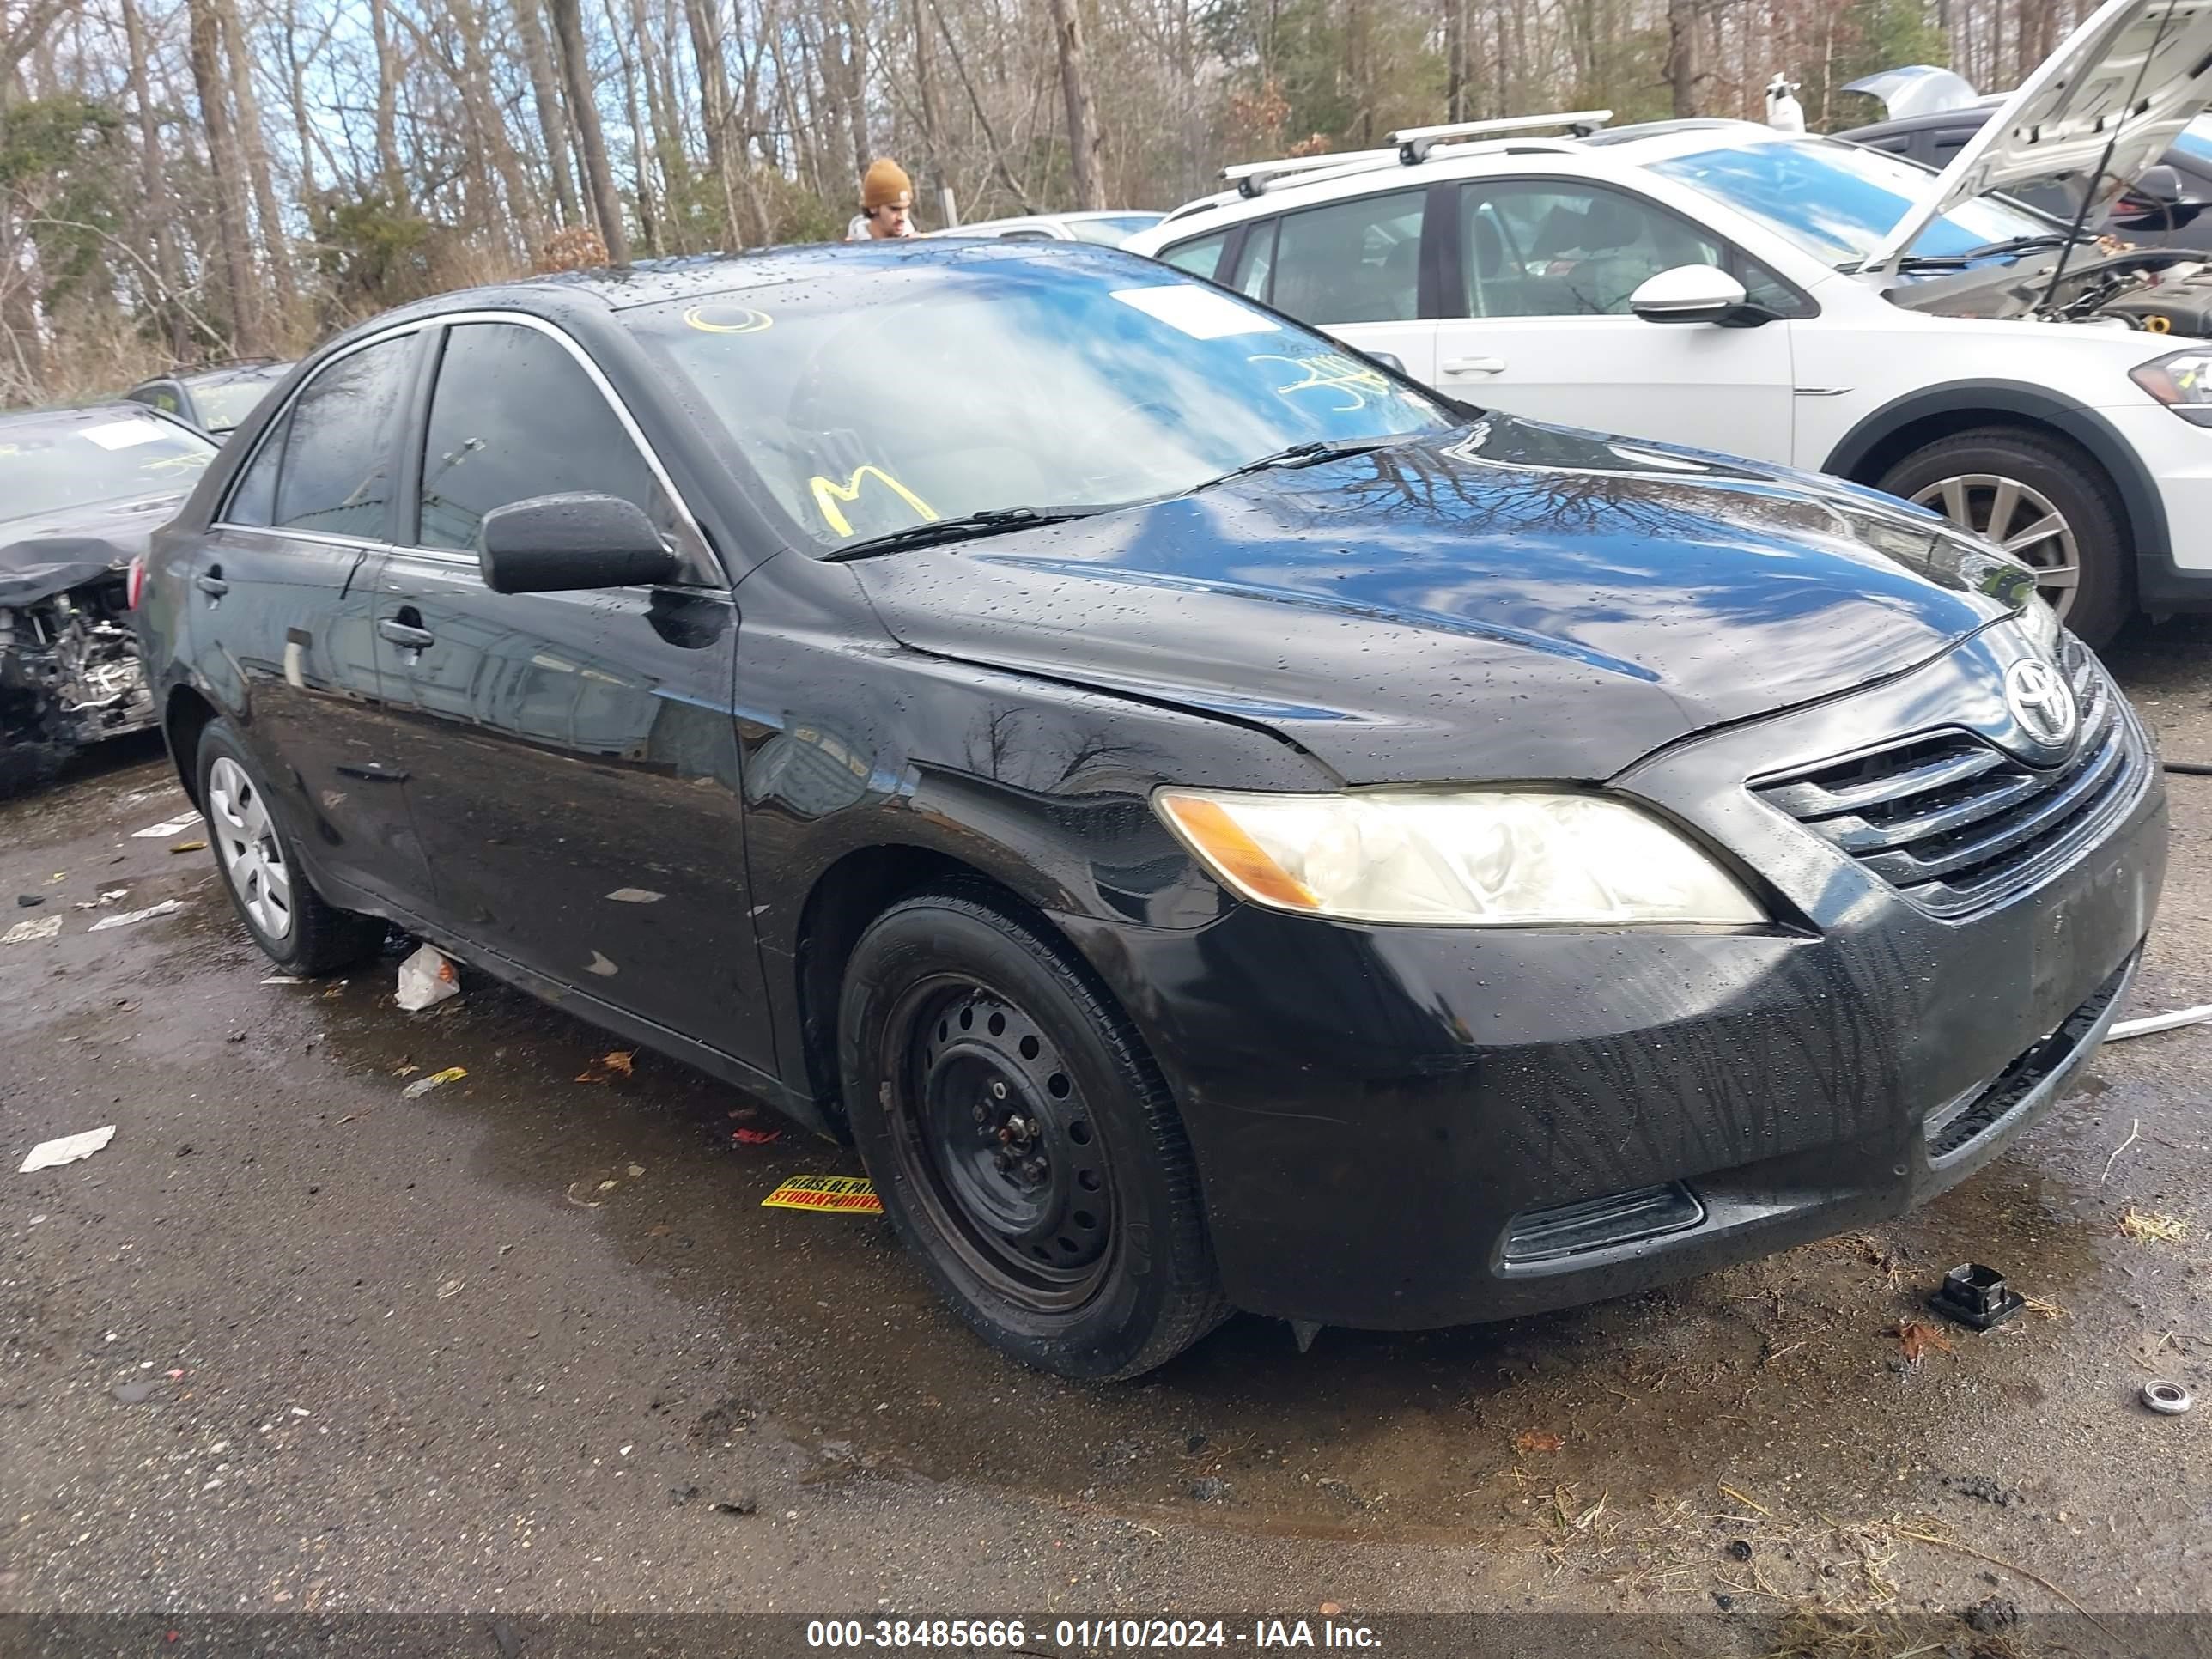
{"points": [[1250, 177], [1414, 144], [1409, 147]]}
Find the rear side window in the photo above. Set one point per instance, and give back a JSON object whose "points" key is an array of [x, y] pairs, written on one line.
{"points": [[1351, 262], [1200, 257], [514, 415], [335, 477], [253, 497]]}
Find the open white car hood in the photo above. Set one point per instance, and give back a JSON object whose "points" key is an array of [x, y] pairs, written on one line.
{"points": [[2138, 68]]}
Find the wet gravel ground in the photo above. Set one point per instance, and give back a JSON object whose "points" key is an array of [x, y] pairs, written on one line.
{"points": [[295, 1341]]}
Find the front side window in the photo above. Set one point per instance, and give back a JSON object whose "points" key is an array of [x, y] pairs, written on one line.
{"points": [[1351, 262], [334, 477], [1837, 201], [866, 400], [72, 461], [513, 416], [1552, 248]]}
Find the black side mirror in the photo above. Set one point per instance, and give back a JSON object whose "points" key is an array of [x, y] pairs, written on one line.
{"points": [[2161, 186], [560, 543]]}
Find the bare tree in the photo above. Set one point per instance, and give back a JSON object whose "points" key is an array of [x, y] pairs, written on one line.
{"points": [[576, 74], [224, 167], [1085, 144]]}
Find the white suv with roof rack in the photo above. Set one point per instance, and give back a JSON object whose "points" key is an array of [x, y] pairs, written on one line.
{"points": [[1723, 286]]}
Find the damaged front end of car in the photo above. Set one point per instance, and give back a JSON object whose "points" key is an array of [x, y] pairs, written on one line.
{"points": [[70, 675]]}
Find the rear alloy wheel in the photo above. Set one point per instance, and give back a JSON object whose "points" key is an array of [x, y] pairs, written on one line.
{"points": [[2043, 501], [279, 906], [1023, 1142]]}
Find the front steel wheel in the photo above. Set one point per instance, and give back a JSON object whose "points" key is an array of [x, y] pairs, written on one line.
{"points": [[996, 1141], [1023, 1140], [252, 855]]}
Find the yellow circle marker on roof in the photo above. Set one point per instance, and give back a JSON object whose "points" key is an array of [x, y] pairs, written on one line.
{"points": [[727, 319]]}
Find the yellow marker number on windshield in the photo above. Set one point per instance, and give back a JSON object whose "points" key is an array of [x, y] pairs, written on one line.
{"points": [[827, 495], [1329, 374], [727, 319]]}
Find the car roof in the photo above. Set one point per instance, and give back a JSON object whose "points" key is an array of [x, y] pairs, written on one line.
{"points": [[225, 373], [698, 276], [1607, 155], [66, 420]]}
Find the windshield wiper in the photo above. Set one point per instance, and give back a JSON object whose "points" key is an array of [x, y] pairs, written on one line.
{"points": [[1311, 453], [1987, 251], [991, 521]]}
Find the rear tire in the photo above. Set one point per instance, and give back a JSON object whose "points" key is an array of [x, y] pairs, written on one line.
{"points": [[2008, 484], [269, 887], [1024, 1144]]}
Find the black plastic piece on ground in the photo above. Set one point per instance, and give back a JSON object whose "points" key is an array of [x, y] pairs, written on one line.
{"points": [[1976, 1298]]}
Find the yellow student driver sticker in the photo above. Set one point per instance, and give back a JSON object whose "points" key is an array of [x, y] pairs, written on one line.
{"points": [[850, 1194]]}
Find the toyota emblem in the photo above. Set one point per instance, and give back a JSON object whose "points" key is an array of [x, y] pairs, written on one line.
{"points": [[2041, 702]]}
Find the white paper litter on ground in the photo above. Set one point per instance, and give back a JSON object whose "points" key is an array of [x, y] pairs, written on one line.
{"points": [[166, 827], [284, 979], [2174, 1021], [427, 978], [129, 916], [67, 1150], [30, 932], [636, 896]]}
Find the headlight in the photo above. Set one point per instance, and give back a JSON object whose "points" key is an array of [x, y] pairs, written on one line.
{"points": [[1491, 858], [2183, 382]]}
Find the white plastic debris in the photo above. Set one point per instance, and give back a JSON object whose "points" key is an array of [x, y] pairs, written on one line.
{"points": [[636, 896], [427, 978], [166, 827], [2145, 1026], [285, 979], [30, 932], [47, 1154], [127, 917]]}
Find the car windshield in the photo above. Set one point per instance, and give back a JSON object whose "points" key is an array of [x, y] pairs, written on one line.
{"points": [[869, 396], [72, 463], [1837, 202], [224, 404], [1113, 231], [2196, 139]]}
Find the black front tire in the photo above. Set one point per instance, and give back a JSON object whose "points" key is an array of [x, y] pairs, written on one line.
{"points": [[2071, 481], [1108, 1278], [322, 938]]}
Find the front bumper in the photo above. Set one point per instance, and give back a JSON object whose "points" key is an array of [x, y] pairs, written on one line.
{"points": [[1402, 1127]]}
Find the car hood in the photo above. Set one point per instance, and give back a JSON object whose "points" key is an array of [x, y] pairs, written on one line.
{"points": [[1915, 90], [2131, 76], [50, 553], [1511, 601]]}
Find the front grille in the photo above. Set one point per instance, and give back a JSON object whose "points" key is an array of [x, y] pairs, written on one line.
{"points": [[1957, 1124], [1955, 823]]}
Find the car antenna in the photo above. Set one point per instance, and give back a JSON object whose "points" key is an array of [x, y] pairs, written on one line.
{"points": [[2103, 161]]}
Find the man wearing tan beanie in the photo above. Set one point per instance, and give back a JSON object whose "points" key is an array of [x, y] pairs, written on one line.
{"points": [[886, 204]]}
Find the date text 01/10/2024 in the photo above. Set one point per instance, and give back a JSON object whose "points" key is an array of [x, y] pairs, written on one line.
{"points": [[1088, 1636]]}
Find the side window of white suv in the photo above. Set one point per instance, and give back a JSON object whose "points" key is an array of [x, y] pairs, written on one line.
{"points": [[1351, 262], [1559, 248]]}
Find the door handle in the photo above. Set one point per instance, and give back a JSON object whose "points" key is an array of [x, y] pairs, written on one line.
{"points": [[212, 583], [405, 635], [1473, 365]]}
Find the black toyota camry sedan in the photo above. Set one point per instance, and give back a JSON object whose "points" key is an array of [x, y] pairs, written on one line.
{"points": [[1215, 825]]}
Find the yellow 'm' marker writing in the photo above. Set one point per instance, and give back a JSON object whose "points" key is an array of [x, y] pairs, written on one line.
{"points": [[827, 495]]}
